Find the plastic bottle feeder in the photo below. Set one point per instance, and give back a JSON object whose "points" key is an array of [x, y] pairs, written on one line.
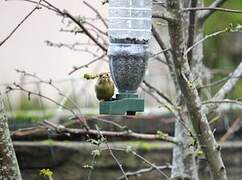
{"points": [[129, 33]]}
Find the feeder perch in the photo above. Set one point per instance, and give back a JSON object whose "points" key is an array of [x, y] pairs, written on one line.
{"points": [[129, 24]]}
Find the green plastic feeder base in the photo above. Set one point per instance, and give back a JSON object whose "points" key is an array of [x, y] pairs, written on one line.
{"points": [[123, 104]]}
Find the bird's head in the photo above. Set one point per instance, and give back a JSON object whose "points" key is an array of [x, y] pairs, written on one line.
{"points": [[103, 77]]}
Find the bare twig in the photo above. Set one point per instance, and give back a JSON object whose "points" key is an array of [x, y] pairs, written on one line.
{"points": [[130, 150], [213, 9], [160, 52], [112, 123], [65, 13], [164, 96], [207, 13], [225, 101], [50, 83], [35, 2], [167, 54], [157, 99], [96, 28], [235, 127], [227, 87], [204, 39], [17, 87], [86, 65], [97, 13], [21, 22], [219, 82], [151, 164], [143, 171], [73, 47], [112, 154]]}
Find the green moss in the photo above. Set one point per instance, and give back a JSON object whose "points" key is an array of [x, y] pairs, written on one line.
{"points": [[147, 146], [49, 142], [31, 116]]}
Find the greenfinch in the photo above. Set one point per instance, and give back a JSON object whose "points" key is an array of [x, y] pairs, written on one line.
{"points": [[104, 87]]}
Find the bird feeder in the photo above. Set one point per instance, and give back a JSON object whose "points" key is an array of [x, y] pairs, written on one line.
{"points": [[129, 31]]}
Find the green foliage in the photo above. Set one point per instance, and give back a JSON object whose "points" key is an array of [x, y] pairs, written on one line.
{"points": [[30, 104], [224, 52], [162, 135], [31, 116], [47, 173]]}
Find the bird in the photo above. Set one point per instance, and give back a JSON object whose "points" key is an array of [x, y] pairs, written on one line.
{"points": [[104, 87]]}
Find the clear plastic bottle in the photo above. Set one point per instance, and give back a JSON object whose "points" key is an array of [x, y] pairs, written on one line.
{"points": [[130, 21], [129, 33], [128, 63]]}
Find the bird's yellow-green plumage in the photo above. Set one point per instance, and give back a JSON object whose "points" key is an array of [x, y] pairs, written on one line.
{"points": [[104, 87]]}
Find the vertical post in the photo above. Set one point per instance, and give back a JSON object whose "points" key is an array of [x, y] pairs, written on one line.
{"points": [[9, 168]]}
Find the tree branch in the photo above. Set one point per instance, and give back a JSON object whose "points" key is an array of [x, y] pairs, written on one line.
{"points": [[191, 29], [227, 87], [17, 87], [65, 13], [206, 14], [159, 93], [185, 79], [97, 13], [111, 153], [225, 101], [167, 54], [204, 39], [235, 127], [87, 65], [21, 22], [213, 9], [165, 15], [143, 171], [220, 81], [123, 134], [130, 150], [210, 10]]}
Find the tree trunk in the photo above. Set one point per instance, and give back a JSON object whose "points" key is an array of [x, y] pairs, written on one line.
{"points": [[9, 168], [183, 163], [185, 79]]}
